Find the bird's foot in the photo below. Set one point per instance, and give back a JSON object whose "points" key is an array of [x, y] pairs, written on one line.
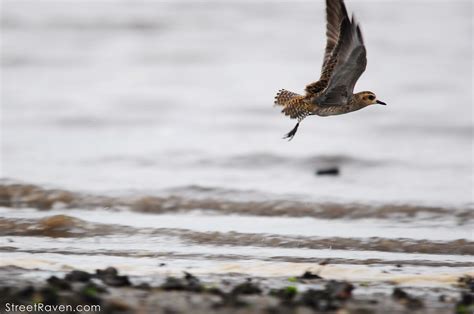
{"points": [[292, 133]]}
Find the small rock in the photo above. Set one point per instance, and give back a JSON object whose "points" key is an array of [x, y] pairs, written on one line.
{"points": [[110, 277], [58, 283], [319, 300], [109, 271], [404, 298], [286, 295], [329, 299], [188, 283], [173, 283], [116, 281], [399, 294], [247, 287], [90, 293], [334, 171], [339, 289], [309, 275], [78, 275]]}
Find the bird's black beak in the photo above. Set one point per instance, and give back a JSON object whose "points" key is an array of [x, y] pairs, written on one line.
{"points": [[380, 102]]}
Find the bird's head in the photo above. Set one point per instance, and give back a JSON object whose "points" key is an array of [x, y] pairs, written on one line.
{"points": [[369, 98]]}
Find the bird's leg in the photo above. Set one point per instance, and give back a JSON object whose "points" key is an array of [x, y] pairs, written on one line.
{"points": [[292, 133]]}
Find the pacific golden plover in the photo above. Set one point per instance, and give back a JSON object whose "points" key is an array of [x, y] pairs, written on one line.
{"points": [[344, 62]]}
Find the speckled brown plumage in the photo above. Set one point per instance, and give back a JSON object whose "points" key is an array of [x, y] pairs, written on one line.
{"points": [[344, 62]]}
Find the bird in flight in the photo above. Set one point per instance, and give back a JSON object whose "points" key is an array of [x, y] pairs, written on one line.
{"points": [[345, 60]]}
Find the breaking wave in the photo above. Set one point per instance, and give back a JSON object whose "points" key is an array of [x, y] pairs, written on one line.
{"points": [[18, 195]]}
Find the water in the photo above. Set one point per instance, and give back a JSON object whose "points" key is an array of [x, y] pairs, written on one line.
{"points": [[149, 126]]}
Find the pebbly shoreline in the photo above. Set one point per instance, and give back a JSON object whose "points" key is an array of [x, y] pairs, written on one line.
{"points": [[107, 291]]}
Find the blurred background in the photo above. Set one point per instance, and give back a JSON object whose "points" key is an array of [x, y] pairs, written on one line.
{"points": [[171, 102]]}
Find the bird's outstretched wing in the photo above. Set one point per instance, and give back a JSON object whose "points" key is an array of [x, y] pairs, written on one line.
{"points": [[336, 12], [350, 60], [346, 61]]}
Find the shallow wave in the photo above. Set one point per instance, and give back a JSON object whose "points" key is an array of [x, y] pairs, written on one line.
{"points": [[228, 257], [18, 195], [65, 226], [456, 247], [57, 226]]}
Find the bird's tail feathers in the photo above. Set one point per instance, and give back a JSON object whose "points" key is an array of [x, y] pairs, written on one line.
{"points": [[297, 108], [293, 104], [283, 96]]}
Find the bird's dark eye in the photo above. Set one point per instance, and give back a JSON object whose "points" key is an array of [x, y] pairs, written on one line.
{"points": [[371, 97]]}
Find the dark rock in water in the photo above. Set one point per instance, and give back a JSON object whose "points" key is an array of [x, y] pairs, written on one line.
{"points": [[187, 283], [78, 275], [247, 287], [334, 171], [58, 283], [309, 275], [110, 277], [409, 301]]}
